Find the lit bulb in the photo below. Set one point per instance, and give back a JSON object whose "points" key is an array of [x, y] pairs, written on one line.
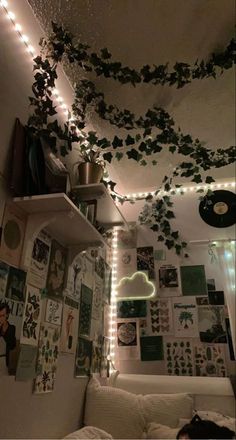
{"points": [[18, 27], [11, 16], [4, 3], [30, 49], [24, 38]]}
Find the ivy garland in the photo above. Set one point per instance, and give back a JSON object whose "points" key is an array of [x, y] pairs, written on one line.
{"points": [[157, 212]]}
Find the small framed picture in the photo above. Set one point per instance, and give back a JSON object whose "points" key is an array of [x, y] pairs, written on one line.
{"points": [[92, 211]]}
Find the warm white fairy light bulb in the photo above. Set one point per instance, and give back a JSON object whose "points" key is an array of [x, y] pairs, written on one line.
{"points": [[112, 317], [4, 3]]}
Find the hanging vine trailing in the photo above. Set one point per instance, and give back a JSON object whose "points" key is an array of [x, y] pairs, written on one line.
{"points": [[158, 210]]}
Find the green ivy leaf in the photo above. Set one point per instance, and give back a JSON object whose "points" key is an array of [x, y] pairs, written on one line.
{"points": [[209, 179], [129, 140], [172, 149], [117, 142], [169, 244], [92, 138], [160, 238], [107, 157], [105, 54], [119, 155], [133, 154], [197, 178]]}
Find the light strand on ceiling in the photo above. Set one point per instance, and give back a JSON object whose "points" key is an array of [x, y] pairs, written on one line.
{"points": [[30, 49], [179, 191]]}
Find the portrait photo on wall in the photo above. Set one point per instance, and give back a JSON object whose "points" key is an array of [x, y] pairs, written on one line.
{"points": [[16, 284], [7, 337]]}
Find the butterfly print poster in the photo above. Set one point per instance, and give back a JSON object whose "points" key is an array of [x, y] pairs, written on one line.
{"points": [[160, 317], [185, 314], [179, 357], [31, 316], [47, 359], [210, 360]]}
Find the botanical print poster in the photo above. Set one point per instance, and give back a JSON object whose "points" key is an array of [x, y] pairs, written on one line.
{"points": [[53, 312], [128, 342], [56, 271], [83, 357], [69, 330], [159, 317], [16, 284], [179, 357], [126, 263], [193, 280], [185, 317], [31, 317], [211, 322], [210, 360], [169, 281], [37, 274], [47, 359], [145, 261], [85, 311], [4, 271]]}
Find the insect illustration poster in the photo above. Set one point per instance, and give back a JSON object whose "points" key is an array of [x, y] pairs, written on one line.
{"points": [[212, 324], [185, 317], [47, 359], [85, 311], [69, 330], [145, 261], [53, 312], [31, 316], [179, 357], [56, 271], [37, 274], [210, 360], [160, 317]]}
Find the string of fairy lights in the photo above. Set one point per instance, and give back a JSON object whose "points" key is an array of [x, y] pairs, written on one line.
{"points": [[11, 16]]}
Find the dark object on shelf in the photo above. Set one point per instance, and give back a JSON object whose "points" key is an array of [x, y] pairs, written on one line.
{"points": [[219, 209], [92, 211], [35, 166], [90, 172], [17, 173]]}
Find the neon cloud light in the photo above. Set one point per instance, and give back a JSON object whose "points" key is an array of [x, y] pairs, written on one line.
{"points": [[135, 287]]}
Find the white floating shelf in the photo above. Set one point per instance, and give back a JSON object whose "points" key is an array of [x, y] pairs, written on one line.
{"points": [[108, 214], [62, 219]]}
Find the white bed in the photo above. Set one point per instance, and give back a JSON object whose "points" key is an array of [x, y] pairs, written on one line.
{"points": [[153, 406]]}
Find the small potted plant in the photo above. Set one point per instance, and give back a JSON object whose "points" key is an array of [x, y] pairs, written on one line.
{"points": [[91, 166]]}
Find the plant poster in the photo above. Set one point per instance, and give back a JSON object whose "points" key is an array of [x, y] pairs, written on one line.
{"points": [[31, 317], [211, 322], [185, 317], [210, 360]]}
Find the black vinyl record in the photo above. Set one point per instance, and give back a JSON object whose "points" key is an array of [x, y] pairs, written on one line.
{"points": [[219, 209]]}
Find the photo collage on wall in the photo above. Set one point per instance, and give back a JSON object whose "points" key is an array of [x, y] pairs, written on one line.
{"points": [[183, 325], [52, 308]]}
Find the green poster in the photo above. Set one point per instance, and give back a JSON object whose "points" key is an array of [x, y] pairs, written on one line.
{"points": [[151, 348], [193, 280], [132, 309]]}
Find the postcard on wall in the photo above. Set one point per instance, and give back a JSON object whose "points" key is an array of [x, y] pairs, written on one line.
{"points": [[151, 348], [97, 307], [4, 272], [210, 360], [179, 357], [193, 280], [202, 300], [185, 314], [56, 270], [74, 279], [132, 309], [216, 297], [12, 237], [159, 317], [126, 263], [169, 284], [104, 369], [26, 365], [128, 342], [145, 261], [69, 330], [53, 312], [16, 284], [85, 311], [211, 285], [211, 323], [48, 351], [37, 274], [31, 317], [83, 357], [127, 239]]}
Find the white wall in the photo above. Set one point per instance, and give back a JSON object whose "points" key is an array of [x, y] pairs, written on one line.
{"points": [[22, 414]]}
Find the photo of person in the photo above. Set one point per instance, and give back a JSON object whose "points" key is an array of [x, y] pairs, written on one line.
{"points": [[7, 337], [16, 284]]}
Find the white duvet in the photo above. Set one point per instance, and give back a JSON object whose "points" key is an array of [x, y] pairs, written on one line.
{"points": [[89, 432]]}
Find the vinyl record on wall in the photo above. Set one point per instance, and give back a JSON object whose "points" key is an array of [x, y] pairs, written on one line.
{"points": [[219, 209]]}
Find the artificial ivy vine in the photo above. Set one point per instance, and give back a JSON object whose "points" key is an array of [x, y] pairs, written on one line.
{"points": [[157, 212]]}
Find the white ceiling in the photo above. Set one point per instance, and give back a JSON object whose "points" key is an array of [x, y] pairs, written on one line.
{"points": [[139, 32]]}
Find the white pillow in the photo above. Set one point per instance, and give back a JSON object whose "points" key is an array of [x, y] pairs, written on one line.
{"points": [[89, 432], [155, 430], [113, 410], [166, 409]]}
